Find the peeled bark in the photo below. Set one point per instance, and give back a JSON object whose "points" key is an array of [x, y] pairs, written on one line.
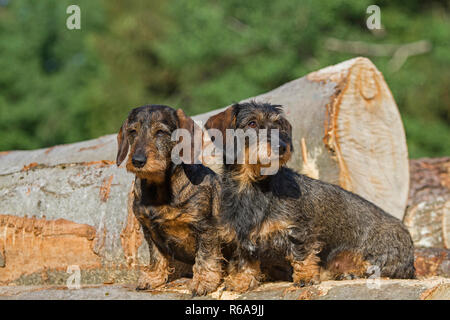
{"points": [[430, 180], [345, 115], [431, 262]]}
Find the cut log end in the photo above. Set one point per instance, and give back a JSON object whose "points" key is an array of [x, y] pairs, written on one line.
{"points": [[365, 133]]}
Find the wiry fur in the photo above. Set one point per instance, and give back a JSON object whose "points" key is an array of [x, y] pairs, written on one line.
{"points": [[173, 203], [290, 226]]}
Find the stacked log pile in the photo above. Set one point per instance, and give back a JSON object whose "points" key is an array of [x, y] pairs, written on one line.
{"points": [[428, 214], [66, 207]]}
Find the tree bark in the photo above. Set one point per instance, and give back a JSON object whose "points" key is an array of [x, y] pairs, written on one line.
{"points": [[428, 213], [430, 179]]}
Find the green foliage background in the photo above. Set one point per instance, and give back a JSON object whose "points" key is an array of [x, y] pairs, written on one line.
{"points": [[60, 86]]}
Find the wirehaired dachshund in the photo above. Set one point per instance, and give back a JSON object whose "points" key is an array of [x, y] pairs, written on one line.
{"points": [[174, 204], [292, 226]]}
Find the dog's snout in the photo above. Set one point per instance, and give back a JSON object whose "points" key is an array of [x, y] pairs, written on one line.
{"points": [[139, 160]]}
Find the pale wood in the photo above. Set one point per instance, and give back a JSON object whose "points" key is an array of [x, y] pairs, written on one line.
{"points": [[365, 132], [428, 223]]}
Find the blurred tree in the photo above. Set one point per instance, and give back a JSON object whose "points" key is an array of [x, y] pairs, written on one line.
{"points": [[46, 71], [222, 52], [59, 86], [132, 74]]}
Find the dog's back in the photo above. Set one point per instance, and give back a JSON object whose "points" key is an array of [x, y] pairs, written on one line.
{"points": [[353, 236], [349, 223]]}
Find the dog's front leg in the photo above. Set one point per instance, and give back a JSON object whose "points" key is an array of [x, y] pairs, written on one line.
{"points": [[244, 273], [302, 253], [305, 264], [207, 270], [306, 272], [157, 272]]}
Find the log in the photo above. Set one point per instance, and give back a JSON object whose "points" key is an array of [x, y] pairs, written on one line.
{"points": [[431, 262], [345, 115], [429, 223], [430, 180], [435, 288], [428, 212]]}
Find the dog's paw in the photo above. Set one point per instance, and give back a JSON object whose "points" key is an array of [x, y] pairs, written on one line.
{"points": [[241, 282], [206, 278], [347, 276], [307, 282], [151, 280], [201, 285]]}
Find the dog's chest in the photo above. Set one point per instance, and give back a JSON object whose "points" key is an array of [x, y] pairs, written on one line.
{"points": [[252, 220], [169, 226], [248, 215]]}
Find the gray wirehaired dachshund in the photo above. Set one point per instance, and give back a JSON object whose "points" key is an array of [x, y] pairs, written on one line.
{"points": [[292, 226]]}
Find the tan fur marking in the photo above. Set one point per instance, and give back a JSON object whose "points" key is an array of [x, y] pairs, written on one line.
{"points": [[246, 175], [151, 278], [307, 270], [268, 229], [250, 173], [347, 263], [181, 233], [227, 235], [246, 278], [154, 169], [274, 117], [208, 274]]}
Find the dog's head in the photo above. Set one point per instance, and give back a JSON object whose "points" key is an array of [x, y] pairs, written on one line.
{"points": [[146, 135], [250, 118]]}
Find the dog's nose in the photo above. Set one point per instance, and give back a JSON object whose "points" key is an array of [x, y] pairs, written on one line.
{"points": [[139, 160]]}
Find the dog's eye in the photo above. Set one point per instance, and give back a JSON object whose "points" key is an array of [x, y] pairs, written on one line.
{"points": [[252, 124], [132, 133]]}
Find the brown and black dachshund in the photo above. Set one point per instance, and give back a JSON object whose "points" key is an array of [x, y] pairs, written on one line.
{"points": [[173, 203]]}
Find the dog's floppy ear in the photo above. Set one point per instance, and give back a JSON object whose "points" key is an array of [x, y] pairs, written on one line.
{"points": [[222, 121], [122, 142], [186, 122], [287, 127]]}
